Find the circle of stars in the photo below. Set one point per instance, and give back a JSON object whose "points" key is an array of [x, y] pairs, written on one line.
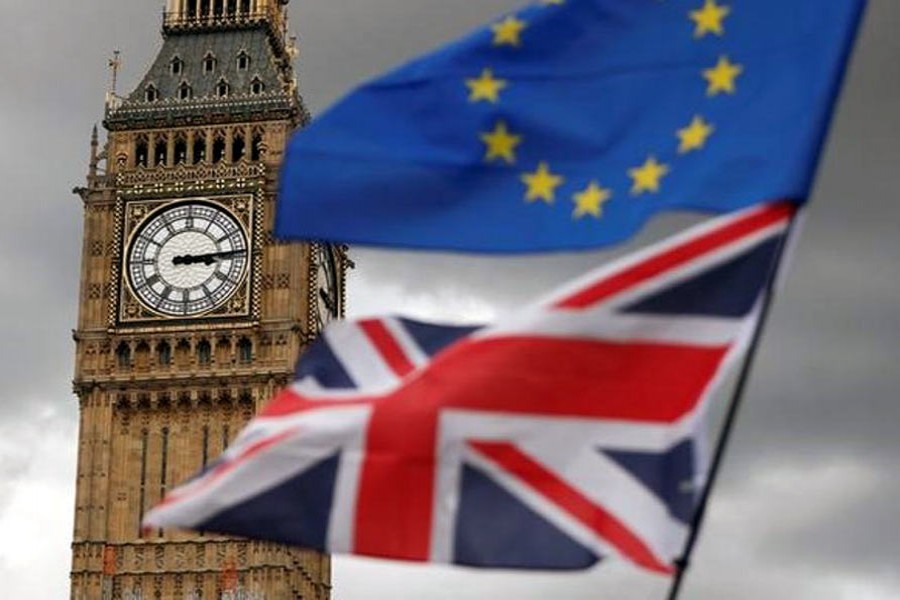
{"points": [[542, 184]]}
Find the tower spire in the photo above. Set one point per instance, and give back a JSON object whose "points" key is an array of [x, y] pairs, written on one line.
{"points": [[112, 99]]}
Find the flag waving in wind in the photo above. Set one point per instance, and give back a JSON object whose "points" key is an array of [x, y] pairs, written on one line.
{"points": [[569, 123], [561, 435]]}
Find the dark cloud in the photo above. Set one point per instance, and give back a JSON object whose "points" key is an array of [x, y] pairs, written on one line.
{"points": [[806, 507]]}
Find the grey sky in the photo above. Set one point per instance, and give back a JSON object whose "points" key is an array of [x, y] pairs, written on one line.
{"points": [[808, 506]]}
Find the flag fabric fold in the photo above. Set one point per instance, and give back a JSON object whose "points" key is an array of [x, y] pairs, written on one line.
{"points": [[568, 432], [568, 123]]}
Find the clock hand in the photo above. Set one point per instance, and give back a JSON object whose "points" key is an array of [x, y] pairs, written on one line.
{"points": [[206, 259]]}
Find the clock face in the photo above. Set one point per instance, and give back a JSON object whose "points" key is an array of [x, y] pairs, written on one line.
{"points": [[187, 259], [326, 285]]}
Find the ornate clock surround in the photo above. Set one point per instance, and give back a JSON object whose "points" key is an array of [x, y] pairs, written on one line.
{"points": [[239, 190]]}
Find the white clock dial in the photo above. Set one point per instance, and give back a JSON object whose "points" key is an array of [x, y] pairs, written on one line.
{"points": [[187, 259]]}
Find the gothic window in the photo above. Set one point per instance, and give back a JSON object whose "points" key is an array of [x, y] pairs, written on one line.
{"points": [[123, 355], [164, 466], [218, 6], [256, 146], [237, 148], [192, 8], [231, 7], [256, 86], [182, 353], [177, 66], [218, 149], [222, 88], [209, 63], [145, 435], [245, 351], [180, 150], [151, 94], [204, 8], [205, 445], [164, 354], [245, 7], [184, 91], [204, 352], [159, 151], [142, 356], [223, 352], [199, 148], [141, 152], [243, 61]]}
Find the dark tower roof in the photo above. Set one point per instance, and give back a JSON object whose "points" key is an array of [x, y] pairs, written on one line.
{"points": [[222, 71]]}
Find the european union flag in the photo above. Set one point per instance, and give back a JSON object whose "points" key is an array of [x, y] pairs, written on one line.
{"points": [[569, 123]]}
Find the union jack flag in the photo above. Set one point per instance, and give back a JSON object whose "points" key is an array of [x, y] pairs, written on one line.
{"points": [[563, 434]]}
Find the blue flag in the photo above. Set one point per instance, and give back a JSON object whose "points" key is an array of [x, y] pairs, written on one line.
{"points": [[569, 123]]}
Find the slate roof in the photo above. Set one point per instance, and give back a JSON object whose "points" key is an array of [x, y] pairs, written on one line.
{"points": [[273, 71]]}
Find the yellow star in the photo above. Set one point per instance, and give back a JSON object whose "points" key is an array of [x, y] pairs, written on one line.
{"points": [[508, 32], [694, 136], [590, 201], [486, 87], [710, 18], [542, 184], [722, 77], [501, 144], [647, 177]]}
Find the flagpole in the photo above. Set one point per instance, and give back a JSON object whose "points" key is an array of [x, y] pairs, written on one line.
{"points": [[683, 564]]}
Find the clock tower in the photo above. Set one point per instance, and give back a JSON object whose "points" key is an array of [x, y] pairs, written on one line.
{"points": [[191, 313]]}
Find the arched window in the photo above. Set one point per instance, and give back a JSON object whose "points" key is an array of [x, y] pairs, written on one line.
{"points": [[184, 91], [141, 152], [256, 86], [238, 147], [123, 355], [176, 66], [180, 150], [182, 353], [204, 352], [256, 147], [164, 354], [159, 151], [222, 88], [223, 352], [245, 351], [199, 148], [142, 356], [209, 63], [151, 94], [243, 61], [218, 149]]}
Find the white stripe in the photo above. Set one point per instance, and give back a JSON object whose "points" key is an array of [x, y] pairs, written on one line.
{"points": [[360, 358], [411, 350], [601, 325]]}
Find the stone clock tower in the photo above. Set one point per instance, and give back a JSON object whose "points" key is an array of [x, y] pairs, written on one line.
{"points": [[191, 313]]}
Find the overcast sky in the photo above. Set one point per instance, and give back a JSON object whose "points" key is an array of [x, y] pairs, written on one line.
{"points": [[809, 506]]}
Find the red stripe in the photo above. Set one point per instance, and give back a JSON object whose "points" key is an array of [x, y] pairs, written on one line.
{"points": [[396, 486], [544, 376], [677, 256], [388, 347], [576, 504]]}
